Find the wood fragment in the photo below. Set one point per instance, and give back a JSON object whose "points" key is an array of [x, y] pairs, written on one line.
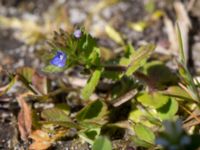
{"points": [[124, 98]]}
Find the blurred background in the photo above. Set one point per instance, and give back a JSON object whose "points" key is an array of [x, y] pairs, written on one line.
{"points": [[26, 25]]}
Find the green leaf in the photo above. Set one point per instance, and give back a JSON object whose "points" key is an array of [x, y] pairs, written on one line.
{"points": [[58, 116], [189, 82], [89, 135], [52, 68], [129, 52], [144, 133], [94, 57], [93, 111], [102, 143], [91, 84], [168, 110], [140, 115], [139, 58], [183, 70], [155, 100], [177, 92], [114, 35], [86, 46], [139, 142], [55, 115]]}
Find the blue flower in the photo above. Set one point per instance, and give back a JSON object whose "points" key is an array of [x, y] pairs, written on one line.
{"points": [[59, 59], [77, 33]]}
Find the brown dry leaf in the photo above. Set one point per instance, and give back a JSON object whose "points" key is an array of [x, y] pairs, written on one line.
{"points": [[24, 118], [41, 140], [40, 83], [33, 80]]}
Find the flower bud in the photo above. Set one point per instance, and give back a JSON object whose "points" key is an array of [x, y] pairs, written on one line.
{"points": [[77, 33]]}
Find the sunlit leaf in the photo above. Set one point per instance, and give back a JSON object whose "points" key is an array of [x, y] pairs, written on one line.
{"points": [[55, 114], [155, 100], [140, 142], [139, 58], [129, 52], [94, 57], [140, 115], [168, 110], [91, 84], [102, 143], [177, 92], [89, 135], [183, 70], [52, 69], [144, 133], [58, 116], [114, 35], [188, 80]]}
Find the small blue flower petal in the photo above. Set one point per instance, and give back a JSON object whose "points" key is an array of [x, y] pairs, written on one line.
{"points": [[77, 33], [59, 59]]}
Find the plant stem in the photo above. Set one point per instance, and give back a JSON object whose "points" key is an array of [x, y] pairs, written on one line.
{"points": [[139, 75]]}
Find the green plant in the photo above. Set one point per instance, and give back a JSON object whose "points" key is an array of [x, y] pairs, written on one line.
{"points": [[133, 95]]}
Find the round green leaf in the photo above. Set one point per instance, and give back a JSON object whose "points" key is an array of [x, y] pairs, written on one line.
{"points": [[155, 100], [168, 110]]}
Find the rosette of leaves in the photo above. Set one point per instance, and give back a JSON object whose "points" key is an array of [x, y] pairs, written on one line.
{"points": [[80, 48]]}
